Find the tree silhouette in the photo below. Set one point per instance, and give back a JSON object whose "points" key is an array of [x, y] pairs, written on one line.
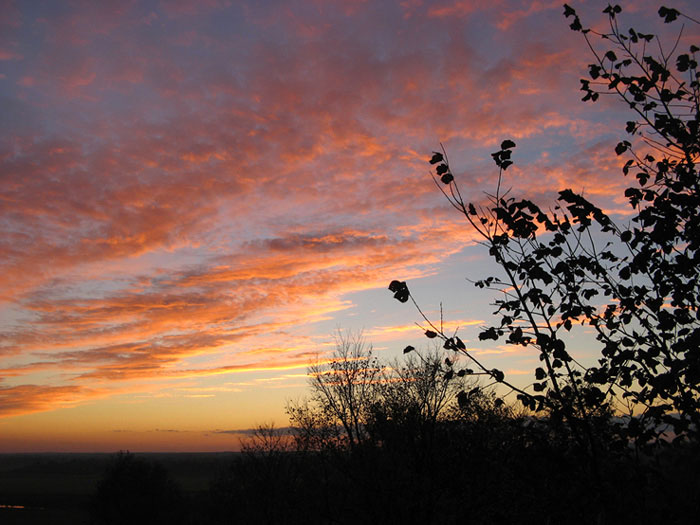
{"points": [[136, 491], [423, 442], [342, 392], [639, 289], [415, 395]]}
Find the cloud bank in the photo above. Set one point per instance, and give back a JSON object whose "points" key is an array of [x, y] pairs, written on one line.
{"points": [[186, 188]]}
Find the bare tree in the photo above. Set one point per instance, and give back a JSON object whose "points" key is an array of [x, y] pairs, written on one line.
{"points": [[426, 381], [345, 388]]}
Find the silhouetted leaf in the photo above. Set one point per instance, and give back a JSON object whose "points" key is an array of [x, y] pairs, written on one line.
{"points": [[668, 14], [539, 387], [447, 178], [437, 157], [507, 144], [462, 399], [408, 349], [400, 290], [489, 333], [622, 147], [612, 10], [430, 334]]}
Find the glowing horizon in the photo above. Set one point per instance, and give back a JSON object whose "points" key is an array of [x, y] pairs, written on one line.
{"points": [[195, 195]]}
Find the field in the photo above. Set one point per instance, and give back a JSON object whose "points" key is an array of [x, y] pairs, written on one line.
{"points": [[57, 488]]}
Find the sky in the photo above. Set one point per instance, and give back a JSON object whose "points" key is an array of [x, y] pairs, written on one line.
{"points": [[194, 196]]}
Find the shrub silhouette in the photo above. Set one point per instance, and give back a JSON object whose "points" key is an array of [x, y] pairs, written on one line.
{"points": [[638, 289], [136, 491]]}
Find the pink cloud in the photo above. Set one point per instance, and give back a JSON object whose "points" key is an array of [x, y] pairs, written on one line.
{"points": [[185, 191]]}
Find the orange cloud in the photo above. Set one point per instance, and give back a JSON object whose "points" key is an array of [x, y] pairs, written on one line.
{"points": [[171, 192], [25, 399]]}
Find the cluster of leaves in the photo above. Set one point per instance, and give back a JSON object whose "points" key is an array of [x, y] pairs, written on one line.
{"points": [[639, 288]]}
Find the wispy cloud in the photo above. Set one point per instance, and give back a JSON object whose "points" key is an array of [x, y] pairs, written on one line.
{"points": [[182, 181]]}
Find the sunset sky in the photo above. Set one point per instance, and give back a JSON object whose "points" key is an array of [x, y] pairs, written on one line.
{"points": [[195, 195]]}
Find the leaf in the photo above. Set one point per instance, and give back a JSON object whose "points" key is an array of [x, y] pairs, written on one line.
{"points": [[449, 375], [668, 14], [442, 168], [498, 375], [437, 157], [539, 387], [682, 63], [447, 178], [569, 11], [430, 334], [540, 374], [408, 349], [462, 399], [489, 333], [612, 10], [395, 285], [625, 273], [400, 290], [610, 55], [507, 144]]}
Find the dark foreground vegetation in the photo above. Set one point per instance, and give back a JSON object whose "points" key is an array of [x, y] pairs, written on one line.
{"points": [[62, 488], [412, 443], [481, 464]]}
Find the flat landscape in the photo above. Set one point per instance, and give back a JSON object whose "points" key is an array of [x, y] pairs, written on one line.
{"points": [[57, 488]]}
